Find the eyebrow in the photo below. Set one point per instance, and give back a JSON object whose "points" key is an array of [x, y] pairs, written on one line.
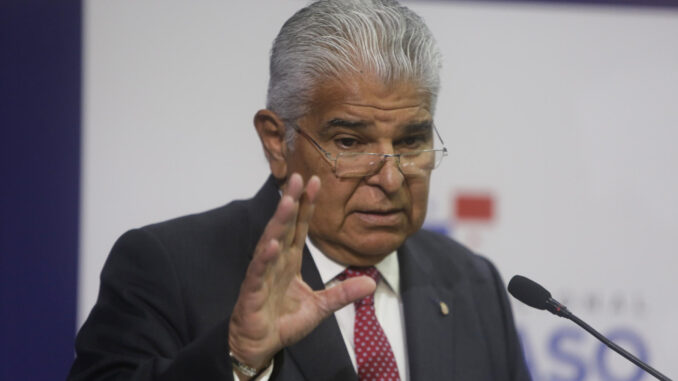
{"points": [[361, 124], [336, 122], [424, 126]]}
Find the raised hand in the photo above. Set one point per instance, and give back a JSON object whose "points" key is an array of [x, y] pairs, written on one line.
{"points": [[275, 307]]}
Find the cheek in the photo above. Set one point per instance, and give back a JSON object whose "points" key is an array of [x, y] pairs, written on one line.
{"points": [[298, 163], [330, 206], [419, 200], [325, 214]]}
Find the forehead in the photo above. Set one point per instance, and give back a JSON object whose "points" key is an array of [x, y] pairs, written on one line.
{"points": [[368, 102]]}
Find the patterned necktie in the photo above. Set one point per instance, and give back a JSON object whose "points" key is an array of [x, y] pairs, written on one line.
{"points": [[372, 350]]}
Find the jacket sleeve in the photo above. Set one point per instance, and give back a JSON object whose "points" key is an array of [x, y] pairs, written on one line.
{"points": [[138, 330]]}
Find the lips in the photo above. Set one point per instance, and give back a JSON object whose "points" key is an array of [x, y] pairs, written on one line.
{"points": [[381, 217], [379, 211]]}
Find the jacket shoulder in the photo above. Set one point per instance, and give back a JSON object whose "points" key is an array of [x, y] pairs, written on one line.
{"points": [[444, 253], [210, 224]]}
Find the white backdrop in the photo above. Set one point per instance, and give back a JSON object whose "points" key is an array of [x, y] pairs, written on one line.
{"points": [[565, 116]]}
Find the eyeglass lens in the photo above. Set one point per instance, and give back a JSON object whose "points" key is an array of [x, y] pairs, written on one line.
{"points": [[363, 164]]}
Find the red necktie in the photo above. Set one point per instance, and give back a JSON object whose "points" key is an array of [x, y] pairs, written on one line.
{"points": [[372, 350]]}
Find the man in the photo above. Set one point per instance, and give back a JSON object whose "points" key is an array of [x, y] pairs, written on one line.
{"points": [[324, 274]]}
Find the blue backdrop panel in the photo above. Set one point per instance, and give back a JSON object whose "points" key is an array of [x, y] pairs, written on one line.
{"points": [[40, 73]]}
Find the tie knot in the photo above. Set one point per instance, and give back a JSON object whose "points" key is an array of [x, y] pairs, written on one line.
{"points": [[354, 271]]}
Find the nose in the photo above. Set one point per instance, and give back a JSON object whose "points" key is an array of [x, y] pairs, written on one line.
{"points": [[388, 177]]}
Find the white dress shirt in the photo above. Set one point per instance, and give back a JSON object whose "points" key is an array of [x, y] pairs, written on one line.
{"points": [[388, 305]]}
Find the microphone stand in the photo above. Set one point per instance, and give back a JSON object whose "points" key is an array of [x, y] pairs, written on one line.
{"points": [[558, 309]]}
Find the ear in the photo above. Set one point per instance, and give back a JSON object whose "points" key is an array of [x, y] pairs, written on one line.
{"points": [[271, 131]]}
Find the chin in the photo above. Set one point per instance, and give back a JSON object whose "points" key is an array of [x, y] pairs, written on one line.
{"points": [[378, 244]]}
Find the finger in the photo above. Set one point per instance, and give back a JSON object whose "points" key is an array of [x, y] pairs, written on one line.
{"points": [[279, 227], [306, 207], [259, 265], [294, 186], [256, 271], [283, 219], [345, 292], [312, 188], [295, 189]]}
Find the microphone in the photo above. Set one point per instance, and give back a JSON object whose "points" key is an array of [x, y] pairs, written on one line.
{"points": [[534, 295]]}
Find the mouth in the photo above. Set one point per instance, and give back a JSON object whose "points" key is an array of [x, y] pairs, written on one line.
{"points": [[381, 217]]}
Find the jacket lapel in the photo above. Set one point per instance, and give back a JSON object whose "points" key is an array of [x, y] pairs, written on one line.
{"points": [[322, 354], [260, 211], [428, 328]]}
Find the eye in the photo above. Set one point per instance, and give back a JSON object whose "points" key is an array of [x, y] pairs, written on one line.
{"points": [[413, 142], [346, 142]]}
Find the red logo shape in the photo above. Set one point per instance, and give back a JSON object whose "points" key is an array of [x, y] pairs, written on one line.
{"points": [[474, 207]]}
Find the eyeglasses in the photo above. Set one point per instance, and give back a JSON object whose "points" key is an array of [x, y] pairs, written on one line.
{"points": [[361, 164]]}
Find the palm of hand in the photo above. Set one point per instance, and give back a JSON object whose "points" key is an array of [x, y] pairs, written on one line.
{"points": [[276, 308]]}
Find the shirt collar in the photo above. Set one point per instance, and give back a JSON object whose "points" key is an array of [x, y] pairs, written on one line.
{"points": [[329, 269]]}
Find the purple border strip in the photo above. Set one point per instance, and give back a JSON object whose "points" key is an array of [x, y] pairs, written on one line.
{"points": [[40, 77]]}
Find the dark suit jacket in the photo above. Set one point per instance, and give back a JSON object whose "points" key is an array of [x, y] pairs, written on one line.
{"points": [[167, 291]]}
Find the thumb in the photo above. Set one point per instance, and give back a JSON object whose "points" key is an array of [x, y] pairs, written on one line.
{"points": [[346, 292]]}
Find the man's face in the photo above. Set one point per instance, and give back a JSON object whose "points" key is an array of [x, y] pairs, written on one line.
{"points": [[357, 221]]}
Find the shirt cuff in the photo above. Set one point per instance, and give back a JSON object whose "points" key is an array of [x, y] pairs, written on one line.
{"points": [[264, 375]]}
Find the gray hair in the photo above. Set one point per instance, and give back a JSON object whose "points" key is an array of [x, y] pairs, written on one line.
{"points": [[331, 38]]}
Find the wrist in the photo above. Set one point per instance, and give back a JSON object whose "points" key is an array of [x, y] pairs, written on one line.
{"points": [[245, 354], [241, 367]]}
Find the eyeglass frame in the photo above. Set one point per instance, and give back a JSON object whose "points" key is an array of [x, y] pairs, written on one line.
{"points": [[333, 161]]}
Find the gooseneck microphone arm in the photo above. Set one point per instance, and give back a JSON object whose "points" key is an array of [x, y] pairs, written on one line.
{"points": [[534, 295], [618, 349]]}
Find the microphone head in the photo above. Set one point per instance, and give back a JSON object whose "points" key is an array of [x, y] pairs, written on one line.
{"points": [[529, 292]]}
